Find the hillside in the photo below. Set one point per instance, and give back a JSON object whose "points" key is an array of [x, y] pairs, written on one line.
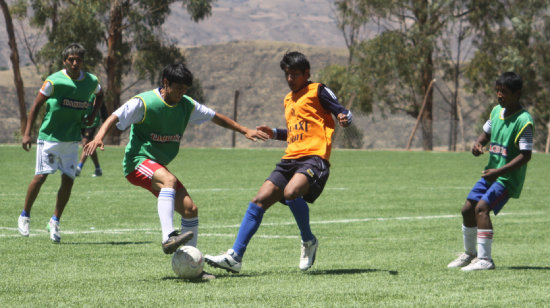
{"points": [[250, 67]]}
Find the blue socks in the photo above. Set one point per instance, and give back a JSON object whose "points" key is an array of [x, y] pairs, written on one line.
{"points": [[55, 218], [80, 165], [250, 224], [300, 210], [25, 214]]}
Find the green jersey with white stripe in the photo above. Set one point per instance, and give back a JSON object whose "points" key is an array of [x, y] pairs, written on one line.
{"points": [[66, 107], [157, 136]]}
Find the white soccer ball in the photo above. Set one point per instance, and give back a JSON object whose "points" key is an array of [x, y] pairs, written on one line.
{"points": [[187, 262]]}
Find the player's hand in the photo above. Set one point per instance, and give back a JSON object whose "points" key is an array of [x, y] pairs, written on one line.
{"points": [[344, 120], [26, 143], [477, 149], [254, 135], [490, 175], [266, 130], [90, 147]]}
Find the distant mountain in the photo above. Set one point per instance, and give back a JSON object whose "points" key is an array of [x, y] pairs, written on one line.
{"points": [[309, 22]]}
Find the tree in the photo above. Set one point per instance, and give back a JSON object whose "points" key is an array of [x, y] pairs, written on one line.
{"points": [[14, 58], [130, 30], [400, 62], [515, 36]]}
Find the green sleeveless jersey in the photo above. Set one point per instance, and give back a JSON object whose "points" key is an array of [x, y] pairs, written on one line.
{"points": [[66, 107], [504, 146], [157, 136]]}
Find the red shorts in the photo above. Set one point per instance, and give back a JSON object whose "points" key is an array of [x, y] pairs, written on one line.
{"points": [[143, 176]]}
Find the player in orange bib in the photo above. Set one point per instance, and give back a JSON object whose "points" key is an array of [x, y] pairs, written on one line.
{"points": [[304, 169]]}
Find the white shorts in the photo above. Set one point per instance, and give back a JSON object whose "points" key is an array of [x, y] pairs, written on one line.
{"points": [[51, 155]]}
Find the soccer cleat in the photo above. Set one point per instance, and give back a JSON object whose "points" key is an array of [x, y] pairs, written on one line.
{"points": [[479, 264], [23, 225], [53, 227], [225, 261], [175, 240], [77, 171], [307, 257], [462, 260], [98, 172]]}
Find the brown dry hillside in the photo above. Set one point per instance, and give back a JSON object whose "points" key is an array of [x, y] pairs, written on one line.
{"points": [[250, 67]]}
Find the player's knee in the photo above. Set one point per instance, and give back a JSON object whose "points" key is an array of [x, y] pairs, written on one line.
{"points": [[482, 209], [468, 210], [291, 194]]}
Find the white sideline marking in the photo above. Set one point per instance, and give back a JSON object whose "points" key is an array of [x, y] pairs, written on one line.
{"points": [[275, 224]]}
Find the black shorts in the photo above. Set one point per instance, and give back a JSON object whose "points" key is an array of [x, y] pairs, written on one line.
{"points": [[88, 132], [313, 167]]}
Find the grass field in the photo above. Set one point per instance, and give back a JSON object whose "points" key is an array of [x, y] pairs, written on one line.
{"points": [[388, 223]]}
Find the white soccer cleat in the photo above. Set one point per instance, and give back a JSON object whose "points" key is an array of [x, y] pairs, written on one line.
{"points": [[23, 225], [225, 261], [53, 227], [77, 171], [307, 256], [462, 260], [479, 264]]}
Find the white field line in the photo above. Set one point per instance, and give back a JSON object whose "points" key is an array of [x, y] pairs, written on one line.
{"points": [[34, 232]]}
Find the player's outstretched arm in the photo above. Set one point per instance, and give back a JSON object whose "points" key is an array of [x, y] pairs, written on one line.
{"points": [[250, 134], [90, 147]]}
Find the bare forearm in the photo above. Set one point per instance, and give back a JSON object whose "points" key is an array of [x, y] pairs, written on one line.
{"points": [[226, 122], [106, 127]]}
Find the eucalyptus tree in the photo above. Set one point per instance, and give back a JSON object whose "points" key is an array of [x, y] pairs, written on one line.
{"points": [[121, 36]]}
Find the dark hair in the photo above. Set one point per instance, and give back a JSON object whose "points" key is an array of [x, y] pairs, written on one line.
{"points": [[296, 60], [73, 49], [511, 81], [177, 73]]}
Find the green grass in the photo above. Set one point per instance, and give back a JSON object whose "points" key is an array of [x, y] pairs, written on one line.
{"points": [[388, 223]]}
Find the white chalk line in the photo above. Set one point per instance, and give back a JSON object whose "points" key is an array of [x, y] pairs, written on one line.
{"points": [[14, 233]]}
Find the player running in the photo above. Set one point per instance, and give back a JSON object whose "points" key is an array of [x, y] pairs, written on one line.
{"points": [[304, 169], [66, 94]]}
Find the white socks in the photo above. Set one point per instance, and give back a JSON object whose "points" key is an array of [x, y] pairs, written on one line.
{"points": [[191, 224], [470, 240], [165, 206], [484, 241]]}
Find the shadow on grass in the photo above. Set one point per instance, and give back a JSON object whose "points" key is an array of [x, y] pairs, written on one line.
{"points": [[199, 280], [350, 271], [537, 268], [107, 243]]}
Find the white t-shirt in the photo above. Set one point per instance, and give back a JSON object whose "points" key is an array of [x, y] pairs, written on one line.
{"points": [[133, 111]]}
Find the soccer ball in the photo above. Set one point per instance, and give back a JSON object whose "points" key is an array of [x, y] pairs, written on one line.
{"points": [[187, 262]]}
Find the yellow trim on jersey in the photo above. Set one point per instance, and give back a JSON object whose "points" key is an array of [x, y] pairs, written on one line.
{"points": [[521, 131], [144, 109]]}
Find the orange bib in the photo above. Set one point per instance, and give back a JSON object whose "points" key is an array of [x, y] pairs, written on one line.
{"points": [[310, 126]]}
